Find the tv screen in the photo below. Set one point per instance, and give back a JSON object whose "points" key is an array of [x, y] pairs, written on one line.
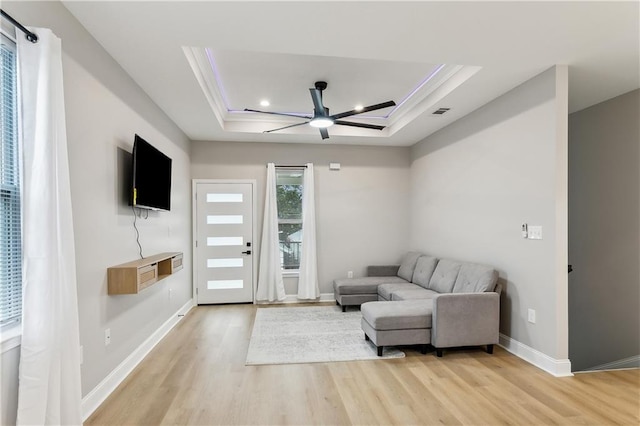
{"points": [[151, 177]]}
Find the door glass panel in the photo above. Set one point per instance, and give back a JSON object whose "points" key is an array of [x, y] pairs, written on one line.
{"points": [[224, 284], [218, 219], [225, 241], [225, 263], [224, 198]]}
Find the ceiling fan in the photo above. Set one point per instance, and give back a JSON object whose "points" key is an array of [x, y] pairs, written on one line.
{"points": [[321, 118]]}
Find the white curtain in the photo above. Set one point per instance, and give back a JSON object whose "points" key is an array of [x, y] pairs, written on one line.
{"points": [[49, 385], [270, 283], [308, 280]]}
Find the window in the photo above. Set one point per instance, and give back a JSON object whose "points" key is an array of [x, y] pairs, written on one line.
{"points": [[10, 222], [289, 195]]}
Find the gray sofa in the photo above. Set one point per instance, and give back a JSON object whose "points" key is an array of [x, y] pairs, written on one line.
{"points": [[426, 301]]}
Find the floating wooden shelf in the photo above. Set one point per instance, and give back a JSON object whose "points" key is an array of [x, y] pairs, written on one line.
{"points": [[133, 277]]}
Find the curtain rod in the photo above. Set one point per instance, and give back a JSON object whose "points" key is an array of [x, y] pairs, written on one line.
{"points": [[32, 37], [290, 167]]}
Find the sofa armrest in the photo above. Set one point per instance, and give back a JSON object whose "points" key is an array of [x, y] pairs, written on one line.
{"points": [[465, 319], [382, 270]]}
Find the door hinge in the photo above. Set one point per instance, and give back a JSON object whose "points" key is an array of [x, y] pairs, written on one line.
{"points": [[196, 243], [196, 291]]}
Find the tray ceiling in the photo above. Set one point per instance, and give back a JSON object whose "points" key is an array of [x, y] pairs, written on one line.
{"points": [[232, 81]]}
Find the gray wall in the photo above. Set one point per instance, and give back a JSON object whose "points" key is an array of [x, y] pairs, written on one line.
{"points": [[361, 210], [104, 108], [474, 183], [9, 386], [604, 232]]}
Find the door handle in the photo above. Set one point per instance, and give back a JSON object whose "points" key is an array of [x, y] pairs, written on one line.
{"points": [[246, 252]]}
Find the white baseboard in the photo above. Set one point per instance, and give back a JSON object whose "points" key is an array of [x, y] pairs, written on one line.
{"points": [[556, 367], [98, 394], [631, 362], [293, 298]]}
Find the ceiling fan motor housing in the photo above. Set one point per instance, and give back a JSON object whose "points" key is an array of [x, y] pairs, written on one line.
{"points": [[317, 114]]}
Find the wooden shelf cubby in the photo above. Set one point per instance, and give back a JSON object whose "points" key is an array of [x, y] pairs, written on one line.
{"points": [[133, 277]]}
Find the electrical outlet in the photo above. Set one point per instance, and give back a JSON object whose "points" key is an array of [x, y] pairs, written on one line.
{"points": [[350, 274], [107, 337], [532, 316]]}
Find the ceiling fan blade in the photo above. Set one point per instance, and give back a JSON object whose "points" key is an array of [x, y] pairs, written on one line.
{"points": [[363, 125], [316, 96], [363, 110], [278, 113], [285, 127], [324, 133]]}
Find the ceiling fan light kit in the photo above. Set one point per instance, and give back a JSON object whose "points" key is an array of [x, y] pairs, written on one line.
{"points": [[321, 118], [321, 122]]}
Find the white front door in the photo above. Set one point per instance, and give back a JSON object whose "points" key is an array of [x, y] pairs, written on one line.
{"points": [[224, 243]]}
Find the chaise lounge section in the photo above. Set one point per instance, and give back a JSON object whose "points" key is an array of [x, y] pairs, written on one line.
{"points": [[356, 291], [428, 301]]}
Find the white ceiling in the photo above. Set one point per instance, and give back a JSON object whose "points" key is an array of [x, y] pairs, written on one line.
{"points": [[368, 52]]}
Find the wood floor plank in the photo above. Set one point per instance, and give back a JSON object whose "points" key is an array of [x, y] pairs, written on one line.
{"points": [[197, 376]]}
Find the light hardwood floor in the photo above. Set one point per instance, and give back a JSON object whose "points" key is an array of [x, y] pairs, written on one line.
{"points": [[196, 375]]}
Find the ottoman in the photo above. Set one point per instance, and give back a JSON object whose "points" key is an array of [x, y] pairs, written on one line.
{"points": [[406, 322]]}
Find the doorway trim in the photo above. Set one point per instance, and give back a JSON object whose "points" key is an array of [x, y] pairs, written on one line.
{"points": [[194, 230]]}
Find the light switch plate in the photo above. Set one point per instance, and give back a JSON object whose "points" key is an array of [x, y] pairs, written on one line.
{"points": [[535, 232]]}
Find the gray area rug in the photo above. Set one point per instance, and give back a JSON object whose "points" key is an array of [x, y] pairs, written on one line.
{"points": [[310, 334]]}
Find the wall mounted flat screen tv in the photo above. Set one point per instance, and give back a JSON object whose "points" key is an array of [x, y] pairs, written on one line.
{"points": [[151, 187]]}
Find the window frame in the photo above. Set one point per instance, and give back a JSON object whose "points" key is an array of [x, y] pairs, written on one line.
{"points": [[11, 332], [288, 221]]}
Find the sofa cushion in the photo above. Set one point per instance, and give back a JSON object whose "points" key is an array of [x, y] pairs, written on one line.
{"points": [[363, 285], [408, 264], [404, 315], [386, 290], [413, 294], [474, 278], [444, 277], [424, 270]]}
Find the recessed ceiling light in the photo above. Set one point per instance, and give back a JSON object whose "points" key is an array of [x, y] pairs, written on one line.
{"points": [[358, 107], [264, 103]]}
